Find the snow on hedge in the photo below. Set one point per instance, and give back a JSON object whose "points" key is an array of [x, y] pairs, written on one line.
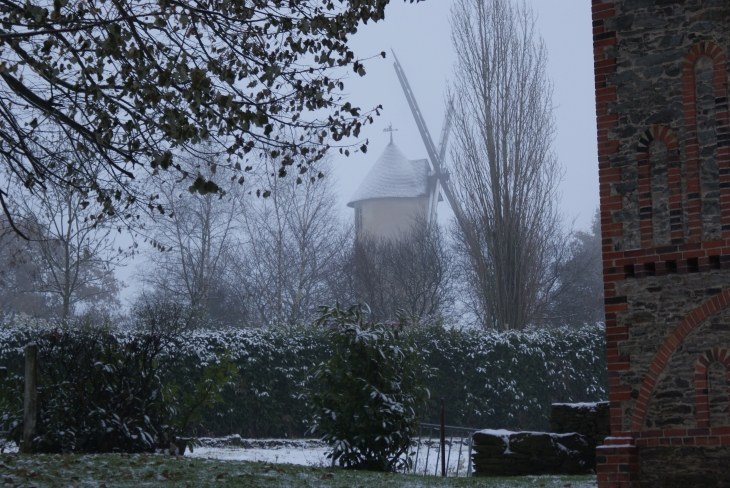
{"points": [[488, 379]]}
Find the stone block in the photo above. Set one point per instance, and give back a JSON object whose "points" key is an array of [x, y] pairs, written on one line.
{"points": [[589, 419], [505, 453]]}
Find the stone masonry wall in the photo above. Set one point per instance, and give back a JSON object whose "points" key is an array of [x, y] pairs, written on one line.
{"points": [[588, 419], [661, 80]]}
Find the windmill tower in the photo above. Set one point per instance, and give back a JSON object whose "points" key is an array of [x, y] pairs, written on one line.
{"points": [[394, 195], [397, 192]]}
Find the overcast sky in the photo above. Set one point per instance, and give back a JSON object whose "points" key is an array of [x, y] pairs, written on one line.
{"points": [[420, 36]]}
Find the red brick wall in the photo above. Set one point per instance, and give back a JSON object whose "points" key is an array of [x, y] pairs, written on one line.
{"points": [[664, 302]]}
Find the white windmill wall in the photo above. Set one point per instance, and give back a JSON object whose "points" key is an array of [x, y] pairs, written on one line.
{"points": [[393, 196], [389, 218]]}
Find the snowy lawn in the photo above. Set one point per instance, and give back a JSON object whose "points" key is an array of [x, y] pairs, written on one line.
{"points": [[302, 452], [118, 470], [312, 452]]}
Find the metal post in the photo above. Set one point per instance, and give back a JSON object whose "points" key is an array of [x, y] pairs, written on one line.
{"points": [[458, 461], [428, 451], [438, 458], [30, 404], [464, 433], [451, 443], [443, 440], [3, 376], [418, 449], [469, 465]]}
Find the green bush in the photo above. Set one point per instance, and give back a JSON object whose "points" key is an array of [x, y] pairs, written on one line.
{"points": [[365, 397], [488, 379], [105, 391], [510, 379], [273, 370]]}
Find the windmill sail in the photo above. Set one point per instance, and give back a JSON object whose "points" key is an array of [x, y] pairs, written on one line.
{"points": [[435, 157], [446, 130], [436, 190]]}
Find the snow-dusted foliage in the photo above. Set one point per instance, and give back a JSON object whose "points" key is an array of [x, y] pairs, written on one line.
{"points": [[105, 390], [488, 379], [273, 370], [263, 401], [510, 379], [365, 397]]}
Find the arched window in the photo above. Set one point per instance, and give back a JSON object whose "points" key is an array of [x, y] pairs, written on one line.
{"points": [[707, 148], [712, 372], [704, 80], [660, 189], [659, 192]]}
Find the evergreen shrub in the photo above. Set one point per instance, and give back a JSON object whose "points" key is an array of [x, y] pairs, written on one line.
{"points": [[488, 379], [364, 398], [102, 390], [510, 379]]}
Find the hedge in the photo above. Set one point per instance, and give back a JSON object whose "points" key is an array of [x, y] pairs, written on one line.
{"points": [[509, 380], [488, 379], [101, 390]]}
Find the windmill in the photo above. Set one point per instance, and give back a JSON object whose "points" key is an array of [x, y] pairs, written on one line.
{"points": [[398, 192], [439, 173]]}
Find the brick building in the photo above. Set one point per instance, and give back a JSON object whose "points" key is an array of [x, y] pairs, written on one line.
{"points": [[664, 160]]}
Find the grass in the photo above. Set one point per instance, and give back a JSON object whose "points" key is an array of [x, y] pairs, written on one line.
{"points": [[121, 470]]}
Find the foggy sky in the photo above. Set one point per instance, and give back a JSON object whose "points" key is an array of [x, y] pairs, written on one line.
{"points": [[420, 36]]}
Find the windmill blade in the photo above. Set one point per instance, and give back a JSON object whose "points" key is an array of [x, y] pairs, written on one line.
{"points": [[443, 142], [435, 157], [433, 200], [446, 130], [430, 148], [453, 203]]}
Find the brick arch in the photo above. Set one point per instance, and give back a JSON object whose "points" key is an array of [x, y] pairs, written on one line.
{"points": [[674, 182], [689, 98], [707, 308], [702, 368]]}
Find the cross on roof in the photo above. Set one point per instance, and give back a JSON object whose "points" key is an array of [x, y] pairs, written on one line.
{"points": [[391, 130]]}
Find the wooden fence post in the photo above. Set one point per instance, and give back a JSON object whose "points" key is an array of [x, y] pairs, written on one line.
{"points": [[30, 404]]}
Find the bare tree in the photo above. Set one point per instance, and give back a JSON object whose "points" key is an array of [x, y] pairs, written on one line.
{"points": [[413, 274], [295, 244], [248, 257], [69, 259], [17, 270], [505, 173], [192, 243]]}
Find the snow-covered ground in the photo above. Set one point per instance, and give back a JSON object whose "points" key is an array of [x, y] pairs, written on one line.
{"points": [[303, 452], [428, 458], [309, 452]]}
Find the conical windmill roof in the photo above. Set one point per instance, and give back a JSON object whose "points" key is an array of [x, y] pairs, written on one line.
{"points": [[393, 176]]}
